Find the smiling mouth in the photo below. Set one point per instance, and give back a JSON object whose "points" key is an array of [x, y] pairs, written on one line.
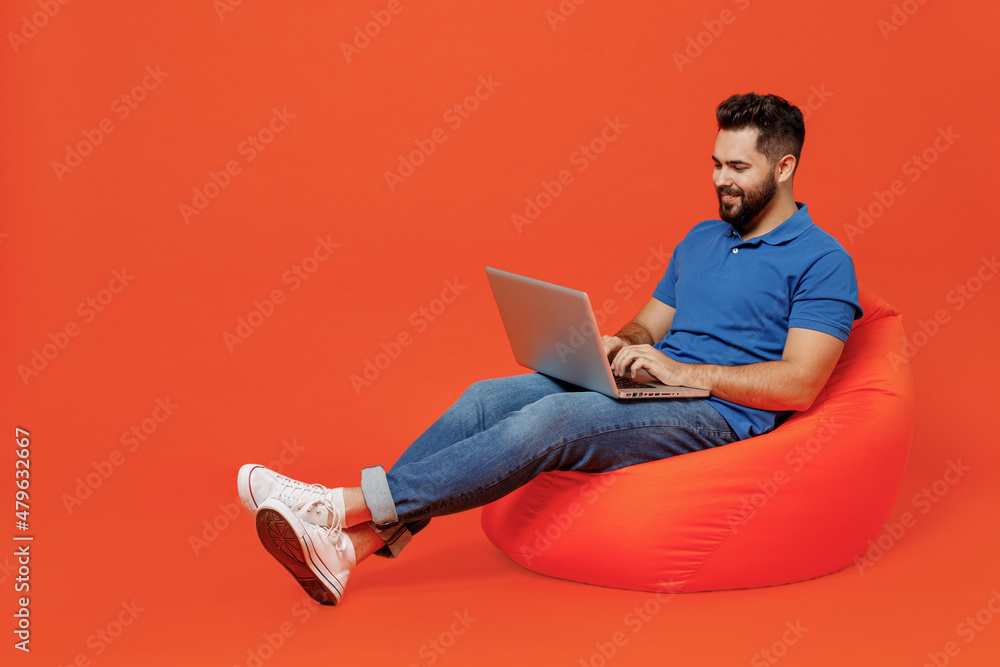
{"points": [[729, 199]]}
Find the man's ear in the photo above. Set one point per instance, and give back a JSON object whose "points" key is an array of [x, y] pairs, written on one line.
{"points": [[785, 167]]}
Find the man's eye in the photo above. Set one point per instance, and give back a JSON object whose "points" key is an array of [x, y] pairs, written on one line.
{"points": [[739, 170]]}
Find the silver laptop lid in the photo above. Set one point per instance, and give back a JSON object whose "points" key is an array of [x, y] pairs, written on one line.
{"points": [[552, 330], [565, 342]]}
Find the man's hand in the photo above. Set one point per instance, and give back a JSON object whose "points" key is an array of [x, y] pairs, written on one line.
{"points": [[634, 358], [637, 332], [611, 346], [789, 383]]}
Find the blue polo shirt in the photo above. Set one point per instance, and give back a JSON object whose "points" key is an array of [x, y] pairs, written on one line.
{"points": [[736, 299]]}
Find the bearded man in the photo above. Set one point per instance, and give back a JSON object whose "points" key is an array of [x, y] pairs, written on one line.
{"points": [[755, 307]]}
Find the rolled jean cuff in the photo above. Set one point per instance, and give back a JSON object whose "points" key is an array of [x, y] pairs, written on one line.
{"points": [[375, 488], [395, 538]]}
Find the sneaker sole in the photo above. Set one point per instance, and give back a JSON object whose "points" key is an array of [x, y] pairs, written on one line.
{"points": [[291, 547]]}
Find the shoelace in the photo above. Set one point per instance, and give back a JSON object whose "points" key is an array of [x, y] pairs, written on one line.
{"points": [[334, 530], [335, 520], [294, 493], [336, 535], [301, 497]]}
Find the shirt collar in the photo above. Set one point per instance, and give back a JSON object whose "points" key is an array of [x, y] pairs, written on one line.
{"points": [[799, 222]]}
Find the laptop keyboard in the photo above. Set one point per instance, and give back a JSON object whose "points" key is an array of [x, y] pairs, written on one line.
{"points": [[625, 383]]}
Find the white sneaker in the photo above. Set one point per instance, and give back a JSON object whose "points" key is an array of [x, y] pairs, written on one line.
{"points": [[320, 559], [317, 503]]}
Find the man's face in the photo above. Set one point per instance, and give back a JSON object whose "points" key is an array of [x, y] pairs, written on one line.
{"points": [[744, 179]]}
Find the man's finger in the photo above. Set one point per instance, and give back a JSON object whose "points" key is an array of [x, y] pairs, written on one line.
{"points": [[625, 360], [642, 360], [619, 361]]}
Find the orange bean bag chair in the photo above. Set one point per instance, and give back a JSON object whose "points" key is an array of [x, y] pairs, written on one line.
{"points": [[798, 502]]}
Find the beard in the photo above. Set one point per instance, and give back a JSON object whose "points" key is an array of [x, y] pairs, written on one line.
{"points": [[752, 202]]}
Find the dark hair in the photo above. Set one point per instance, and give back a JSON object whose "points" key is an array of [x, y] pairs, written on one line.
{"points": [[781, 130]]}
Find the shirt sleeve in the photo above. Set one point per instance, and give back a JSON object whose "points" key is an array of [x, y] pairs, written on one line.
{"points": [[665, 288], [826, 298]]}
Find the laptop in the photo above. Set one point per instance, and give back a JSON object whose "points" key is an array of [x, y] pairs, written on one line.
{"points": [[553, 330]]}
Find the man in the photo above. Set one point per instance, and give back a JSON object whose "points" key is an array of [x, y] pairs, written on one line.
{"points": [[754, 307]]}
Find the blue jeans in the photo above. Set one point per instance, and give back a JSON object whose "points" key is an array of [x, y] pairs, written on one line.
{"points": [[504, 432]]}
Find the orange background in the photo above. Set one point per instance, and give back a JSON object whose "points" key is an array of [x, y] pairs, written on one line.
{"points": [[875, 98]]}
